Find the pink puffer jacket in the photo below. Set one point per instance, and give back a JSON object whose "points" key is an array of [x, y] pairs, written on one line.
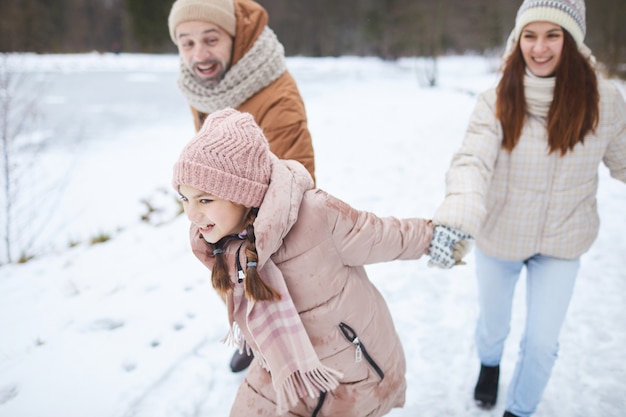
{"points": [[321, 244]]}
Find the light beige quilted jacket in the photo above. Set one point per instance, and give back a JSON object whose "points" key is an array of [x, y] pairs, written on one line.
{"points": [[528, 201]]}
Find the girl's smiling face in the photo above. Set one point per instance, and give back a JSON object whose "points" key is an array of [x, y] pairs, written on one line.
{"points": [[214, 217], [541, 44]]}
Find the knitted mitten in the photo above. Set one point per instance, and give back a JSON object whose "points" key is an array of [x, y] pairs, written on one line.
{"points": [[448, 247]]}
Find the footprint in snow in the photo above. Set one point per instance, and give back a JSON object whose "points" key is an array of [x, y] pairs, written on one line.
{"points": [[103, 324], [7, 393]]}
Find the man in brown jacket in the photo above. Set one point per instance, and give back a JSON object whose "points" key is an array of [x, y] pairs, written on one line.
{"points": [[231, 58]]}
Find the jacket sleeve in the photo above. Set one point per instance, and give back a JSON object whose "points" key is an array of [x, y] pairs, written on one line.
{"points": [[363, 238], [471, 170], [615, 156], [279, 110], [291, 140]]}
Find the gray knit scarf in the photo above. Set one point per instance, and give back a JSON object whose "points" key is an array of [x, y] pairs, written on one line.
{"points": [[258, 68]]}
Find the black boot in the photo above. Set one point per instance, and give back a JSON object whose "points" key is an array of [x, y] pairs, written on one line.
{"points": [[240, 361], [508, 414], [486, 391]]}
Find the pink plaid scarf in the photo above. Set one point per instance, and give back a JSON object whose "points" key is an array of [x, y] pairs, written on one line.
{"points": [[275, 333]]}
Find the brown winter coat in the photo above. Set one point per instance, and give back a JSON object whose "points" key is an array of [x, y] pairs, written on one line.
{"points": [[321, 245], [277, 108]]}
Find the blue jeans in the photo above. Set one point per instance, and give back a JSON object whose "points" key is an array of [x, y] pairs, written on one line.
{"points": [[549, 287]]}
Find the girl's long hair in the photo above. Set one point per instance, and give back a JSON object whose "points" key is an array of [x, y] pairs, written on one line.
{"points": [[574, 111], [256, 289]]}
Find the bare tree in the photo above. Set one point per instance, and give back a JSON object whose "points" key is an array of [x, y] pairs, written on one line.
{"points": [[608, 39], [22, 141], [385, 28], [18, 112]]}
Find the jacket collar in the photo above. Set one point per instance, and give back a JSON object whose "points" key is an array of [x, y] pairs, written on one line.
{"points": [[279, 210]]}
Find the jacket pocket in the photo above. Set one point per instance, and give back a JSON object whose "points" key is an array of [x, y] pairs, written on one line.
{"points": [[360, 351]]}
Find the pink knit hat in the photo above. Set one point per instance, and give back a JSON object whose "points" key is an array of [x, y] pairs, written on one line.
{"points": [[228, 158]]}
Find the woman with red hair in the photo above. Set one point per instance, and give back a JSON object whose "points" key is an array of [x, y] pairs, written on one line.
{"points": [[524, 185]]}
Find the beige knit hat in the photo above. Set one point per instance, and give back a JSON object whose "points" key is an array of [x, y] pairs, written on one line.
{"points": [[569, 14], [229, 158], [220, 12]]}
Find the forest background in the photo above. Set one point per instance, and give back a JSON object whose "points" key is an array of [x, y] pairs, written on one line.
{"points": [[388, 29]]}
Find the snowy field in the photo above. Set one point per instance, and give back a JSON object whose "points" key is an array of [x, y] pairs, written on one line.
{"points": [[131, 327]]}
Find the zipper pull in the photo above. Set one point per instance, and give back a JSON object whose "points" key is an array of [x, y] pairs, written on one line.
{"points": [[358, 353]]}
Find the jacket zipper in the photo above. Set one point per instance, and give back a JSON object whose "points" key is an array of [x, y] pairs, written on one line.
{"points": [[546, 205], [360, 352], [320, 402]]}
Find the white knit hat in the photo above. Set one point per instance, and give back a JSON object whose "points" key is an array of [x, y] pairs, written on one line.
{"points": [[569, 14], [220, 12]]}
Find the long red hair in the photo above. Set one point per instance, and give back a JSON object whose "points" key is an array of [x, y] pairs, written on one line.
{"points": [[574, 111]]}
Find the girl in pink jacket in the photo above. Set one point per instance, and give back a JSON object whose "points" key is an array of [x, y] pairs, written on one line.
{"points": [[288, 260]]}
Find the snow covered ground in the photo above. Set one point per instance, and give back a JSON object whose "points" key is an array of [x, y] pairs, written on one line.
{"points": [[131, 327]]}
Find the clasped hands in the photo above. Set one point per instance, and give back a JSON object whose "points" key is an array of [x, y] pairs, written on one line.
{"points": [[448, 247]]}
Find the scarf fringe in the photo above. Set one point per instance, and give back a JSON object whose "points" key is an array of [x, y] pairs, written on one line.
{"points": [[311, 384], [234, 338]]}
